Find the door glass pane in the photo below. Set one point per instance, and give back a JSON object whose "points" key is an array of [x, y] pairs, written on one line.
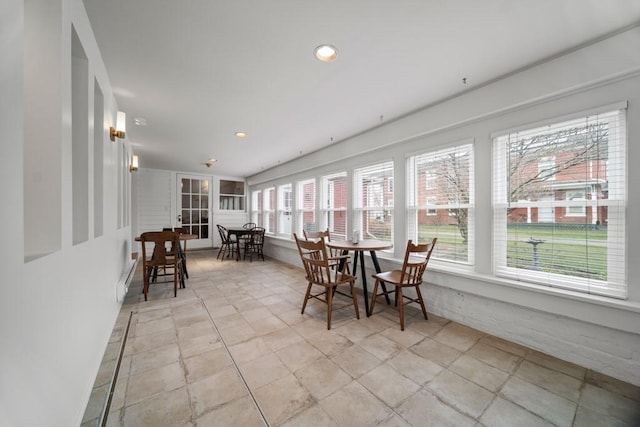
{"points": [[195, 201], [186, 201], [186, 185]]}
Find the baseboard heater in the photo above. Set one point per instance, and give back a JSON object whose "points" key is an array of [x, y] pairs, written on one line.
{"points": [[125, 280]]}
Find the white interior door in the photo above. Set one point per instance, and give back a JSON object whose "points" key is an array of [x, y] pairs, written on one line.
{"points": [[194, 208]]}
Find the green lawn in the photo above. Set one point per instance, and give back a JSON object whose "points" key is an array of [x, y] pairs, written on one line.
{"points": [[567, 255]]}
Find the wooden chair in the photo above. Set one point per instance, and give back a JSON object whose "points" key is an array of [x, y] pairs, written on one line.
{"points": [[228, 245], [255, 243], [318, 272], [164, 260], [336, 258], [244, 238], [409, 276]]}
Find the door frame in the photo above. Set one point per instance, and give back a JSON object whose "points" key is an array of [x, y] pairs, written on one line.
{"points": [[197, 243]]}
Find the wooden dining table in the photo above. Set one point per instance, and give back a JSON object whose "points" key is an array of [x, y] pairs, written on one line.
{"points": [[358, 252], [238, 232]]}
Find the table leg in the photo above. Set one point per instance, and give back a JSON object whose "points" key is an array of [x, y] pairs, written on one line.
{"points": [[376, 264], [237, 247], [364, 282], [183, 256]]}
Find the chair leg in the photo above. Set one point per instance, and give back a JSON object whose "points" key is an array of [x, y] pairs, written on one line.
{"points": [[400, 307], [421, 301], [329, 298], [306, 298], [355, 299], [181, 274], [175, 281], [374, 296], [145, 281]]}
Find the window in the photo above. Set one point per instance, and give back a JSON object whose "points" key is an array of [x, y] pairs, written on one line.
{"points": [[334, 204], [547, 168], [256, 207], [231, 195], [284, 210], [373, 201], [269, 210], [442, 209], [565, 227], [306, 202], [574, 209], [431, 203], [430, 180]]}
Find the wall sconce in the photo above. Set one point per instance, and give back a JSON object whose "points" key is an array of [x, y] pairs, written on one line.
{"points": [[119, 130], [134, 163]]}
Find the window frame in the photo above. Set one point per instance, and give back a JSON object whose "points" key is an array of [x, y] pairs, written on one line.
{"points": [[303, 208], [284, 208], [328, 211], [269, 220], [381, 191], [437, 203], [615, 285], [256, 207]]}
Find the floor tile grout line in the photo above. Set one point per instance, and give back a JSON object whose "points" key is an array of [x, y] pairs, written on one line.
{"points": [[235, 365], [105, 410]]}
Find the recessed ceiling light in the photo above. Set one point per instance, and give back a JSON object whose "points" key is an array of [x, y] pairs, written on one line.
{"points": [[241, 134], [325, 52]]}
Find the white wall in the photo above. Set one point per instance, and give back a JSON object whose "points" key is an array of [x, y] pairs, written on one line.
{"points": [[155, 204], [599, 333], [57, 310]]}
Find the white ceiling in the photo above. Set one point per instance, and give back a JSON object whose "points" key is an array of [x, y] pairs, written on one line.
{"points": [[200, 70]]}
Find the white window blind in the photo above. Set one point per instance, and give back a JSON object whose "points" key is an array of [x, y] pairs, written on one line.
{"points": [[284, 210], [306, 206], [256, 207], [440, 201], [559, 204], [269, 210], [334, 204], [373, 201]]}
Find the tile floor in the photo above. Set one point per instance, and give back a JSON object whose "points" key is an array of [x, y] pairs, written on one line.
{"points": [[233, 350]]}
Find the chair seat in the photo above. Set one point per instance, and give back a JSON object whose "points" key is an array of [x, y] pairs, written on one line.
{"points": [[393, 277]]}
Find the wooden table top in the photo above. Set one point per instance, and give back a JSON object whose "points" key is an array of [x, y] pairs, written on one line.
{"points": [[362, 245], [182, 237]]}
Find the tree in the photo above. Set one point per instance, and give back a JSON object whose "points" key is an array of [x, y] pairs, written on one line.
{"points": [[534, 159], [530, 175]]}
